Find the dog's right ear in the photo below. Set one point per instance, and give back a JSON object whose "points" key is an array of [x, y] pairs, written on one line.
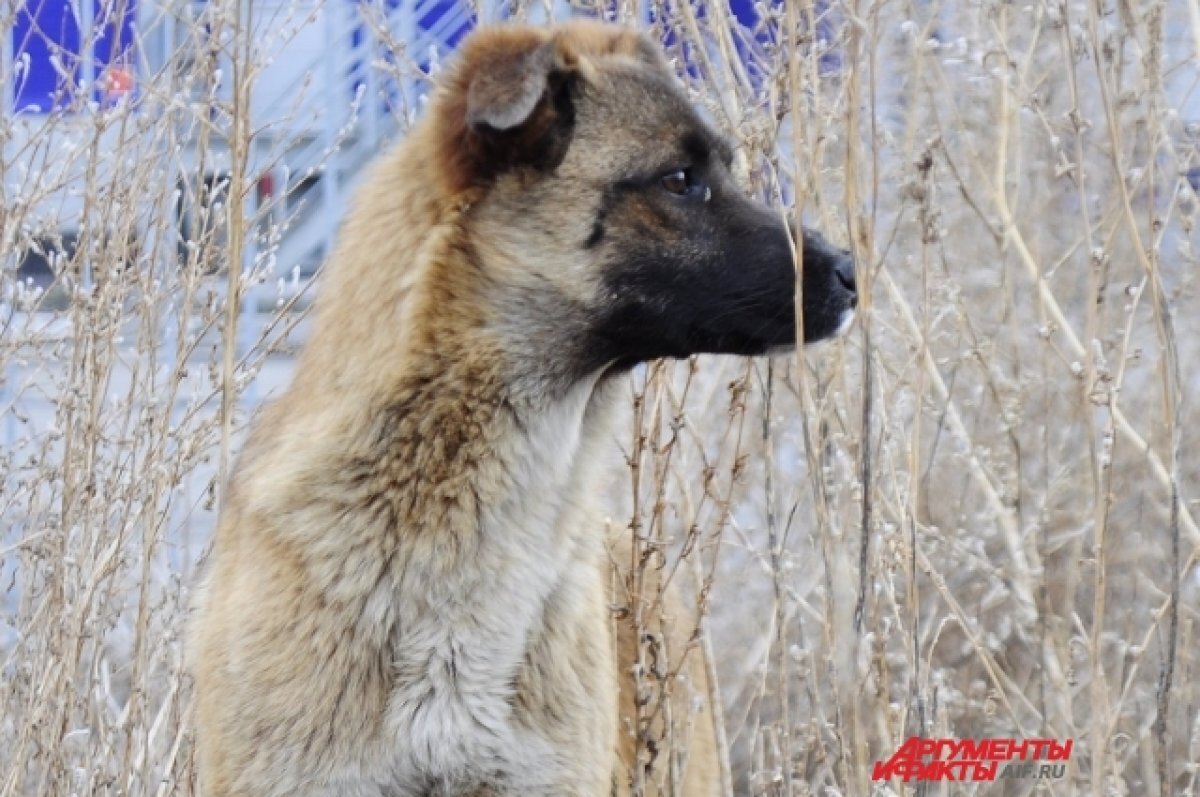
{"points": [[507, 104]]}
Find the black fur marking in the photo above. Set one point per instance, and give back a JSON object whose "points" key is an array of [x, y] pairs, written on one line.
{"points": [[696, 147], [596, 236], [607, 202], [699, 148]]}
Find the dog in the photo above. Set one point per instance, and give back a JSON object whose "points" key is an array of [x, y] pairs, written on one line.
{"points": [[408, 591]]}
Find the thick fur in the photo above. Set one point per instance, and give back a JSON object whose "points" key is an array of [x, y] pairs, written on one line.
{"points": [[408, 593]]}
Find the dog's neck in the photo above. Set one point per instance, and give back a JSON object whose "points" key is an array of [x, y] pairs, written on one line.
{"points": [[464, 423], [489, 489], [476, 435], [473, 414]]}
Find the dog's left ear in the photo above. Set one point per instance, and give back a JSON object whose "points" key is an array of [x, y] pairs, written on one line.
{"points": [[507, 95], [507, 105]]}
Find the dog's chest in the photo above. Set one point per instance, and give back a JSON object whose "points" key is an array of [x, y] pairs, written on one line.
{"points": [[464, 634], [455, 717], [519, 597]]}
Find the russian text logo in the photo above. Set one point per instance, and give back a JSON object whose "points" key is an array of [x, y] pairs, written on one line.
{"points": [[975, 759]]}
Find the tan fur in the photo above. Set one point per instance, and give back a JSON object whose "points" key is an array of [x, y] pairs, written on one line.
{"points": [[408, 593]]}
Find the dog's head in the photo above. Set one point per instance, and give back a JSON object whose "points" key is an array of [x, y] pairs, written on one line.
{"points": [[604, 203]]}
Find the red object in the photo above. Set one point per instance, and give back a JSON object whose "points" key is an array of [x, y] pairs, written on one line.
{"points": [[118, 81], [266, 186]]}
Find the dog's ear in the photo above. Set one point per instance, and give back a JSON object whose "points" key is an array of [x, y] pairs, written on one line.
{"points": [[507, 104], [505, 94]]}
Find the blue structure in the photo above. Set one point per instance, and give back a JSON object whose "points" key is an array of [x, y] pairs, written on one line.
{"points": [[51, 41], [57, 57], [322, 106]]}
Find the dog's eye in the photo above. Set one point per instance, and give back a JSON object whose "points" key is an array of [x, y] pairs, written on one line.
{"points": [[682, 182]]}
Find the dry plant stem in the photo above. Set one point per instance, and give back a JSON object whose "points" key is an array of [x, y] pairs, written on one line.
{"points": [[1169, 370], [1075, 347], [804, 103], [1003, 684], [736, 427], [860, 230], [239, 154], [714, 689], [1008, 120], [927, 220], [1178, 510], [1101, 501], [636, 575], [653, 674], [722, 78], [775, 545], [1102, 472], [796, 91], [981, 479]]}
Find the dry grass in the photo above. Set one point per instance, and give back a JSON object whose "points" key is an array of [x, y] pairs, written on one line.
{"points": [[975, 516]]}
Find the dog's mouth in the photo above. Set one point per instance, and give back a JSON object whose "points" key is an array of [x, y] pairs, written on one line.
{"points": [[845, 321]]}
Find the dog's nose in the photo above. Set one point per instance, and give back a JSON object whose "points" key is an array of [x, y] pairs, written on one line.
{"points": [[844, 268]]}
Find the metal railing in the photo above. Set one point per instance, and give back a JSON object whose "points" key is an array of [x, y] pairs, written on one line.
{"points": [[363, 105]]}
